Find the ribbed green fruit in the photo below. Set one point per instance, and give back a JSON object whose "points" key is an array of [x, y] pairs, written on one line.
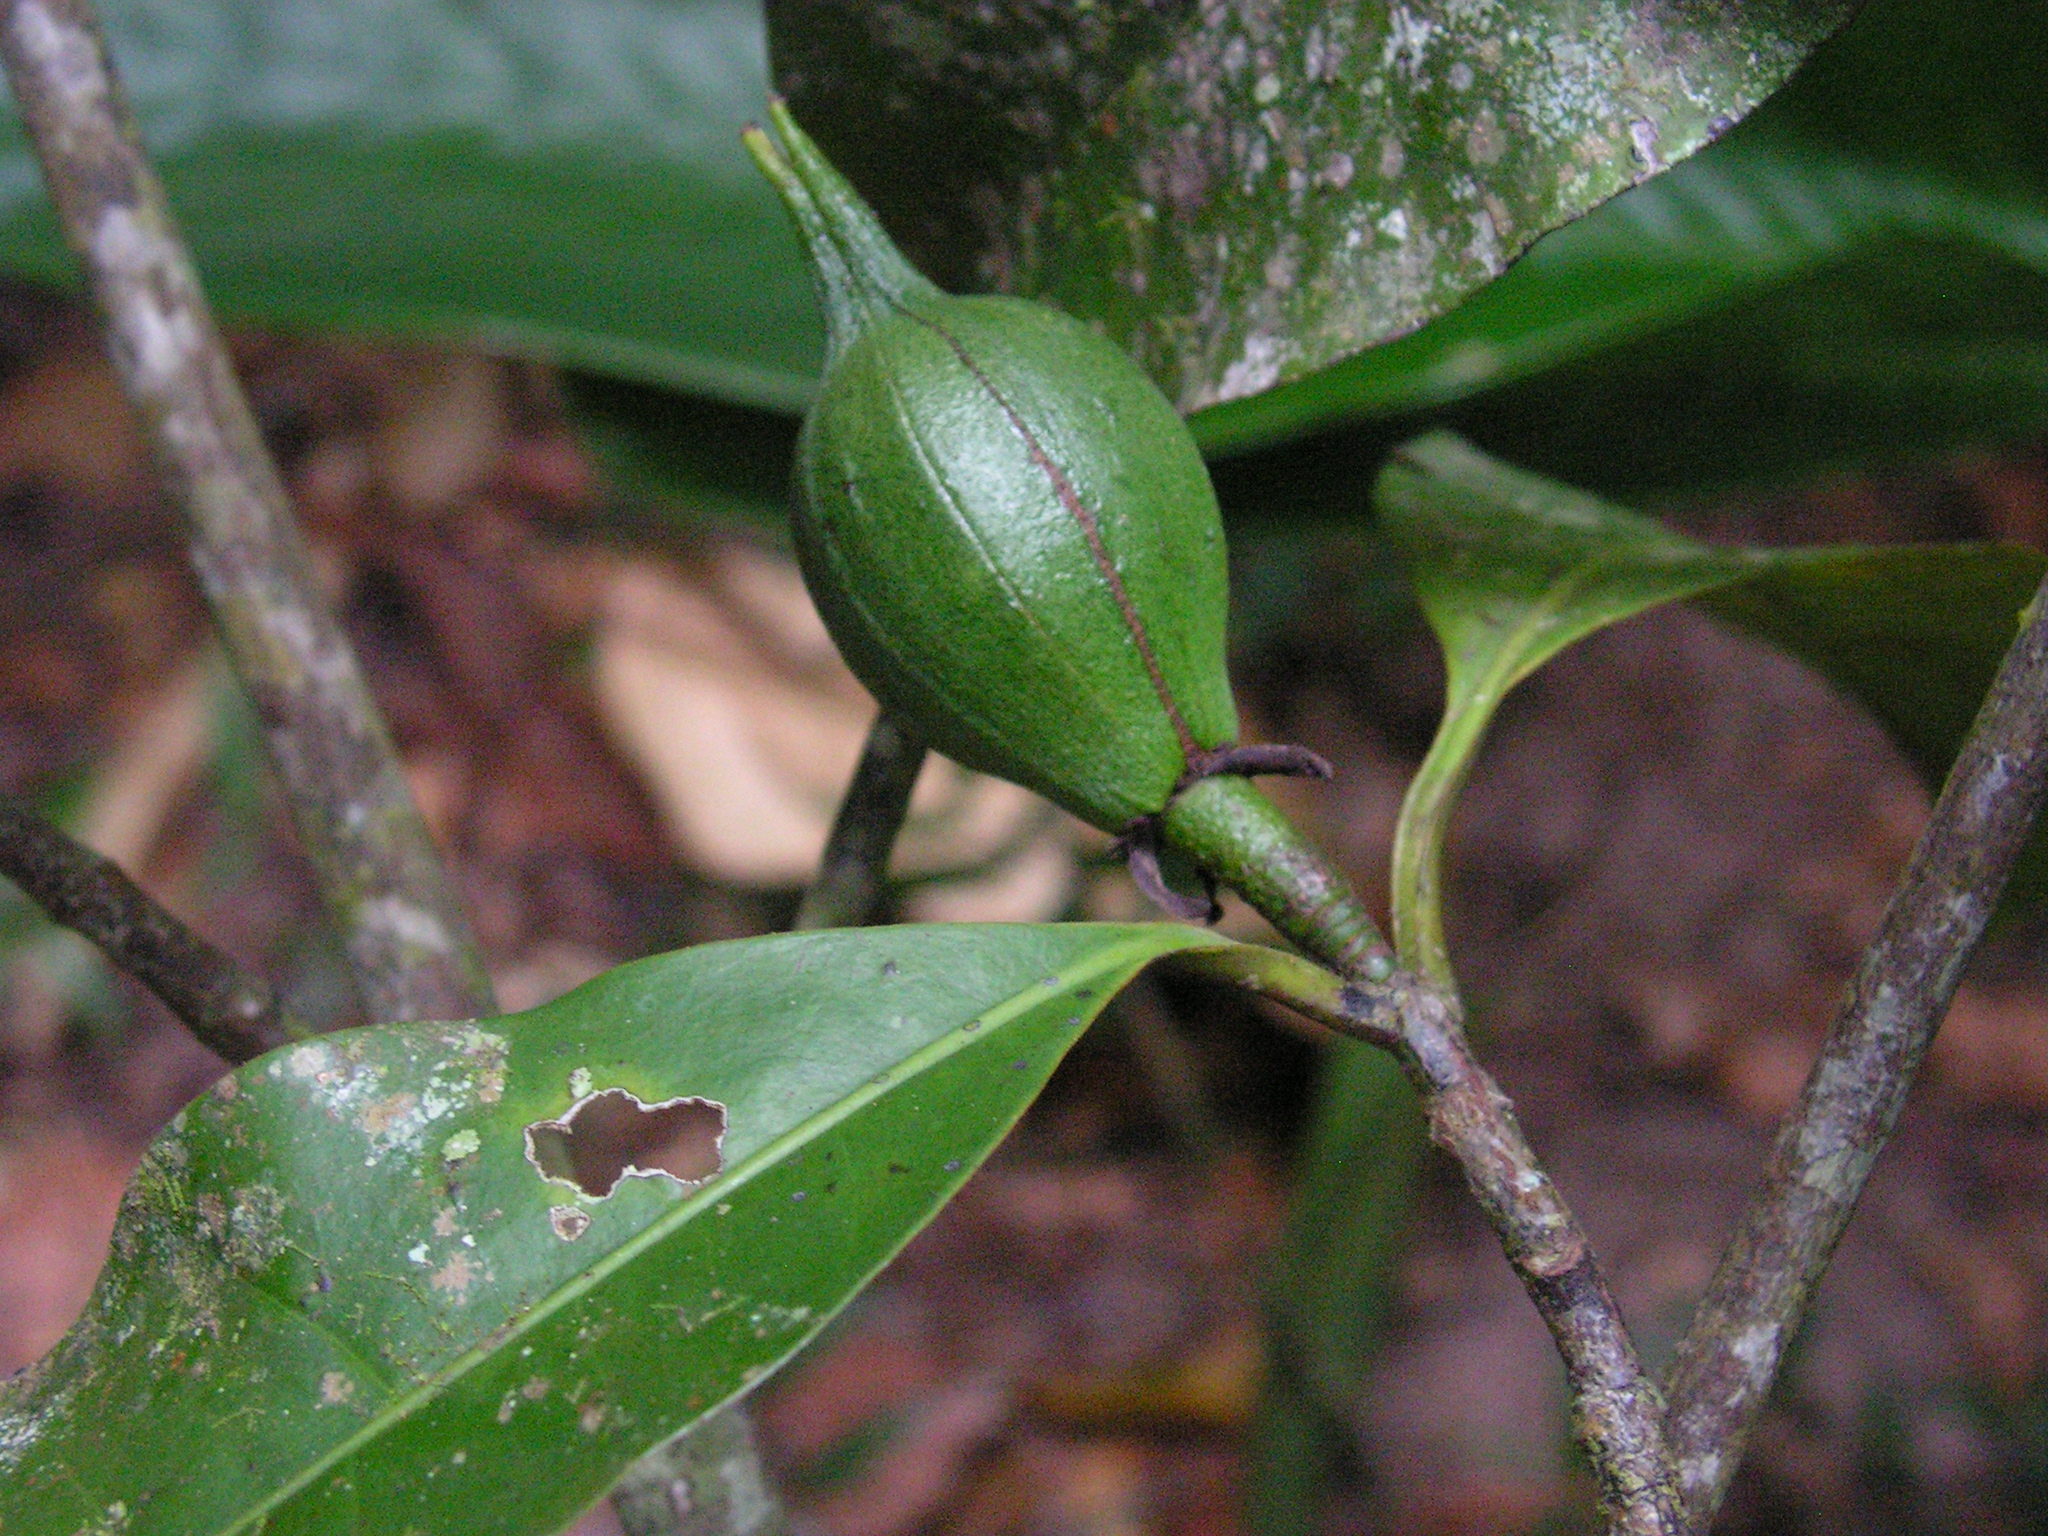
{"points": [[1006, 526]]}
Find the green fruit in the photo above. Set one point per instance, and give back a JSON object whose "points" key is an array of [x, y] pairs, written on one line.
{"points": [[1007, 528]]}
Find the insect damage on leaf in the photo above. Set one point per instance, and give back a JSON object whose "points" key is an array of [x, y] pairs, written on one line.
{"points": [[609, 1136]]}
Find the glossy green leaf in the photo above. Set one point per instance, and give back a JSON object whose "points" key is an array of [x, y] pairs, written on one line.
{"points": [[563, 179], [1912, 137], [1241, 195], [1510, 568], [344, 1298]]}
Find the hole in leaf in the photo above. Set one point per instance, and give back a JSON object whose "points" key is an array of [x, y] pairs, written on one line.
{"points": [[611, 1135]]}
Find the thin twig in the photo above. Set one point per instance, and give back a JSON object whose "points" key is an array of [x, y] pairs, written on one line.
{"points": [[1830, 1141], [405, 934], [232, 1012], [1617, 1413], [856, 861]]}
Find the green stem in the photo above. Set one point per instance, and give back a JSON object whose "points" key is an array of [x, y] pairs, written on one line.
{"points": [[856, 862], [1416, 876], [1240, 837]]}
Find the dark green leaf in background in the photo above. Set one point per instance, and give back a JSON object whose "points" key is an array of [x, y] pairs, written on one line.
{"points": [[342, 1298], [557, 177], [1244, 194]]}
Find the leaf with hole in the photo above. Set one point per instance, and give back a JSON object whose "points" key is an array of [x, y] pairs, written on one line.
{"points": [[382, 1276]]}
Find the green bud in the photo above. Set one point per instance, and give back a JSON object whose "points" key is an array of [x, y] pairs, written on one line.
{"points": [[1007, 528]]}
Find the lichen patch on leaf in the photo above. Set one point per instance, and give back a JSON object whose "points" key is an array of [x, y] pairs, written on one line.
{"points": [[467, 1068]]}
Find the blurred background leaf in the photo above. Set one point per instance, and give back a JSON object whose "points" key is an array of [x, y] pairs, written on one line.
{"points": [[559, 179]]}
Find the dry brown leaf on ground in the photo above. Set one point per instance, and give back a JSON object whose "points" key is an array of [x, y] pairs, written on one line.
{"points": [[722, 687]]}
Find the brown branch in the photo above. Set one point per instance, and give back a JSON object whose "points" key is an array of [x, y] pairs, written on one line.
{"points": [[856, 861], [407, 940], [233, 1013], [1617, 1413], [1829, 1143]]}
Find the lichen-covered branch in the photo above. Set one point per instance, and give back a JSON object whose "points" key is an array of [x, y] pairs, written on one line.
{"points": [[1830, 1141], [856, 861], [1617, 1412], [405, 935], [232, 1012]]}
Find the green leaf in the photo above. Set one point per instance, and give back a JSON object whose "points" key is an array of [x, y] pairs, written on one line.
{"points": [[344, 1298], [1243, 199], [1810, 260], [562, 179], [1510, 568], [714, 461]]}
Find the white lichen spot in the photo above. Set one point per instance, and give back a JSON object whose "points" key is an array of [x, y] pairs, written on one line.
{"points": [[507, 1406], [413, 927], [1484, 249], [1642, 138], [456, 1276], [1484, 142], [462, 1144], [417, 1253], [1407, 45], [1395, 225], [458, 1458], [1337, 171], [336, 1387], [568, 1222], [1267, 90], [1393, 159], [64, 54], [1460, 76], [1256, 370], [590, 1418], [1755, 1346], [579, 1083]]}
